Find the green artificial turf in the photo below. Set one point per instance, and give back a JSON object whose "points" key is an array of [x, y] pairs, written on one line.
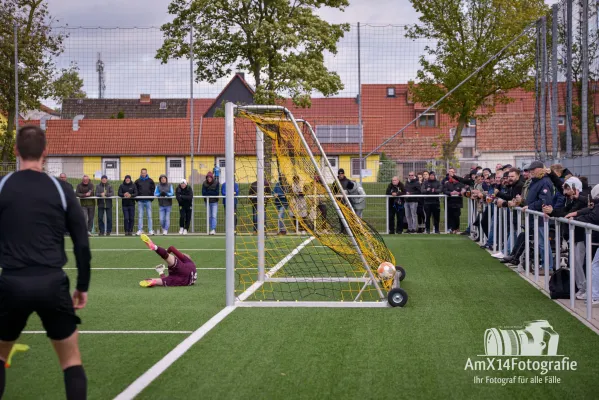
{"points": [[456, 291]]}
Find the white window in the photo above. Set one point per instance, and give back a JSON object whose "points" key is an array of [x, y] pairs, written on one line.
{"points": [[561, 120], [472, 122], [355, 166], [220, 161], [163, 105], [175, 169], [390, 92], [427, 120]]}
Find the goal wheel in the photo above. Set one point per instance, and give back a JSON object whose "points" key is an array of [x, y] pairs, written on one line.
{"points": [[402, 272], [397, 297]]}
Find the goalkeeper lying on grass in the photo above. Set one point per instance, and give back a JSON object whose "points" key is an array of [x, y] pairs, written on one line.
{"points": [[181, 269]]}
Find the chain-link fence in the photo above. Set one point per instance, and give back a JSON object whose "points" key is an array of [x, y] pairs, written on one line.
{"points": [[134, 101]]}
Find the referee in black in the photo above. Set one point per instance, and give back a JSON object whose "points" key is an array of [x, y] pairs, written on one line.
{"points": [[35, 211]]}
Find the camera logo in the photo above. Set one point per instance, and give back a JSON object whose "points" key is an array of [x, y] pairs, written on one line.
{"points": [[536, 339]]}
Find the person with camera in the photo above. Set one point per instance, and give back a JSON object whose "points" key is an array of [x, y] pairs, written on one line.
{"points": [[453, 189], [432, 209], [590, 215], [576, 199], [395, 190]]}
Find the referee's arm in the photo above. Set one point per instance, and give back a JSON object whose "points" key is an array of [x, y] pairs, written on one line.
{"points": [[78, 231]]}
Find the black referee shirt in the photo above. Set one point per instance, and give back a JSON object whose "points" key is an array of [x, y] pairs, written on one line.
{"points": [[33, 224]]}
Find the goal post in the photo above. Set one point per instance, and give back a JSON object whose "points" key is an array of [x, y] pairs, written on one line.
{"points": [[292, 239]]}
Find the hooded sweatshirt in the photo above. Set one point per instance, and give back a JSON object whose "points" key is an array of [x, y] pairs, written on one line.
{"points": [[210, 187], [184, 196], [164, 191], [130, 188]]}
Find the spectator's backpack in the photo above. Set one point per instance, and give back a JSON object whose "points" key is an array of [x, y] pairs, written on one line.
{"points": [[559, 284]]}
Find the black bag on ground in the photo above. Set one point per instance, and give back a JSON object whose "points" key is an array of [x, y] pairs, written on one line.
{"points": [[559, 284]]}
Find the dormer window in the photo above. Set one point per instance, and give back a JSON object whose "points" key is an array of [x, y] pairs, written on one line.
{"points": [[390, 92]]}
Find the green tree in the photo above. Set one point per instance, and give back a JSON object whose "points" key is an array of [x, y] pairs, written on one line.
{"points": [[468, 33], [280, 42], [69, 85], [387, 169], [37, 46]]}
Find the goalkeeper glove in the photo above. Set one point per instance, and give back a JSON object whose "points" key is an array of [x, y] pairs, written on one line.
{"points": [[160, 269]]}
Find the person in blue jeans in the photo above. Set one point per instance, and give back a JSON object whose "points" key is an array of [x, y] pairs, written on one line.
{"points": [[223, 191], [540, 193], [145, 187], [281, 188], [128, 191], [210, 190], [164, 192]]}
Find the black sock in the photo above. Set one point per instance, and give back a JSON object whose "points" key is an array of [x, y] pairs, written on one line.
{"points": [[75, 383], [2, 378]]}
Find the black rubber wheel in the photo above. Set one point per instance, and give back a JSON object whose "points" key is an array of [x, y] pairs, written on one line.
{"points": [[397, 297], [402, 272]]}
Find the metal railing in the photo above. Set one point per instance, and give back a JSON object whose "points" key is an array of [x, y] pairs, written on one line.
{"points": [[376, 213], [501, 226]]}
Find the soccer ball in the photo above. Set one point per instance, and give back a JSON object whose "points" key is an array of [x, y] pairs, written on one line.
{"points": [[386, 270]]}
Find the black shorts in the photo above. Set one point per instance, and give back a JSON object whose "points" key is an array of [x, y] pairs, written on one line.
{"points": [[47, 295]]}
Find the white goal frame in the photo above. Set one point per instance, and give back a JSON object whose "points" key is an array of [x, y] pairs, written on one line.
{"points": [[267, 276]]}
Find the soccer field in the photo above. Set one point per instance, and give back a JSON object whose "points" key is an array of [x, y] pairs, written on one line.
{"points": [[456, 292]]}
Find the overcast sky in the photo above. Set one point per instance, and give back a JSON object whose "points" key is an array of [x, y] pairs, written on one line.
{"points": [[128, 54]]}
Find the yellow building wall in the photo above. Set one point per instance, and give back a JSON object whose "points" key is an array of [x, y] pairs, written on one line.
{"points": [[372, 164], [156, 166], [201, 164], [91, 165]]}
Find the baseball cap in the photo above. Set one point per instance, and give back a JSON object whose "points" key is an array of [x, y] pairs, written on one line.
{"points": [[104, 177], [535, 165], [184, 181], [595, 192], [341, 171], [574, 183]]}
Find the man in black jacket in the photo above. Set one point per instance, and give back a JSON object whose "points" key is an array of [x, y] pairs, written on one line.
{"points": [[32, 255], [413, 187], [431, 204], [453, 189], [184, 196], [505, 198], [395, 205], [145, 187]]}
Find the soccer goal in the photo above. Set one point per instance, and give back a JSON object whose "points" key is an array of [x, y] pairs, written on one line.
{"points": [[293, 239]]}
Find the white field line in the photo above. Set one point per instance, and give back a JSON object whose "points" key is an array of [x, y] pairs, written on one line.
{"points": [[118, 332], [150, 375], [245, 295]]}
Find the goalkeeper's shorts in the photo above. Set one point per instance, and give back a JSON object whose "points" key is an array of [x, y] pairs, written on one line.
{"points": [[47, 295]]}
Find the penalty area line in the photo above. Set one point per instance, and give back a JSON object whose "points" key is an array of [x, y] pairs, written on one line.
{"points": [[150, 375]]}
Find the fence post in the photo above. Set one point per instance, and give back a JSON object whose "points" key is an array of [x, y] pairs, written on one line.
{"points": [[445, 212], [536, 243], [207, 215], [495, 228], [387, 214], [543, 111], [569, 78], [589, 272], [527, 244], [572, 263], [117, 215], [558, 244], [554, 92], [505, 232], [546, 251], [585, 79]]}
